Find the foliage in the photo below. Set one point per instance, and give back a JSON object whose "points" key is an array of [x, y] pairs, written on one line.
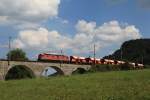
{"points": [[120, 85], [147, 66], [126, 66], [134, 51], [19, 72], [17, 55], [103, 68]]}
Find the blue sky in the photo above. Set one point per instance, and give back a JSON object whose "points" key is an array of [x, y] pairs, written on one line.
{"points": [[105, 10], [72, 25]]}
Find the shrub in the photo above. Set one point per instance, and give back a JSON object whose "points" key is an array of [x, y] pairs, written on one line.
{"points": [[146, 66], [104, 68], [126, 66]]}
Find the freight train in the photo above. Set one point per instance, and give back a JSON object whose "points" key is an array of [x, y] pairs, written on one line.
{"points": [[57, 58]]}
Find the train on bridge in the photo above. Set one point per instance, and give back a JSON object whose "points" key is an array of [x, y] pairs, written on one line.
{"points": [[47, 57]]}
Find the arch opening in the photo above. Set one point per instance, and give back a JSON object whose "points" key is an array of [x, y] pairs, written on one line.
{"points": [[79, 71], [19, 72], [52, 71]]}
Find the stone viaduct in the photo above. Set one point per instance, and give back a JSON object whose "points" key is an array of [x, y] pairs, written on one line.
{"points": [[38, 67]]}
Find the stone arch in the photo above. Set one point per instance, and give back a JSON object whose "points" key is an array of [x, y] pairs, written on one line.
{"points": [[79, 70], [19, 72], [52, 71]]}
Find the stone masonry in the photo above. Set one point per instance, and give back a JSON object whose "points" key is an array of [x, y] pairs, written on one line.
{"points": [[38, 67]]}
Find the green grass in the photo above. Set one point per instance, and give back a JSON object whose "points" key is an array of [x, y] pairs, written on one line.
{"points": [[119, 85]]}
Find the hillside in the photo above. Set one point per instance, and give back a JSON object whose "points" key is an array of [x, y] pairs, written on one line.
{"points": [[133, 50], [119, 85]]}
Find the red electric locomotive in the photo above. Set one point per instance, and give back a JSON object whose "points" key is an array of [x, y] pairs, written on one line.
{"points": [[53, 58]]}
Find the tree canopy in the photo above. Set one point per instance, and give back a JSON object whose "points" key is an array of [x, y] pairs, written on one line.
{"points": [[17, 55], [134, 51]]}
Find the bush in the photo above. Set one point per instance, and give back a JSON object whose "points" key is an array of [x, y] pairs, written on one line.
{"points": [[126, 66], [146, 66], [103, 68], [17, 55]]}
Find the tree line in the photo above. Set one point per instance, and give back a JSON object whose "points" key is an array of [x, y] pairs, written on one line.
{"points": [[137, 51]]}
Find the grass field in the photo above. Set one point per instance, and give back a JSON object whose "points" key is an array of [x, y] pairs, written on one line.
{"points": [[119, 85]]}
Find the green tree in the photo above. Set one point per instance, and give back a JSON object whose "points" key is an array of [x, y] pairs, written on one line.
{"points": [[137, 51], [17, 55]]}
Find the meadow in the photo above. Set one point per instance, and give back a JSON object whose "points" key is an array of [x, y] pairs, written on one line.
{"points": [[115, 85]]}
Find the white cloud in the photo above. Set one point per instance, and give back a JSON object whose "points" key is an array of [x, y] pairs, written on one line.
{"points": [[113, 31], [109, 33], [88, 33], [40, 39], [27, 11], [85, 27], [34, 38]]}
